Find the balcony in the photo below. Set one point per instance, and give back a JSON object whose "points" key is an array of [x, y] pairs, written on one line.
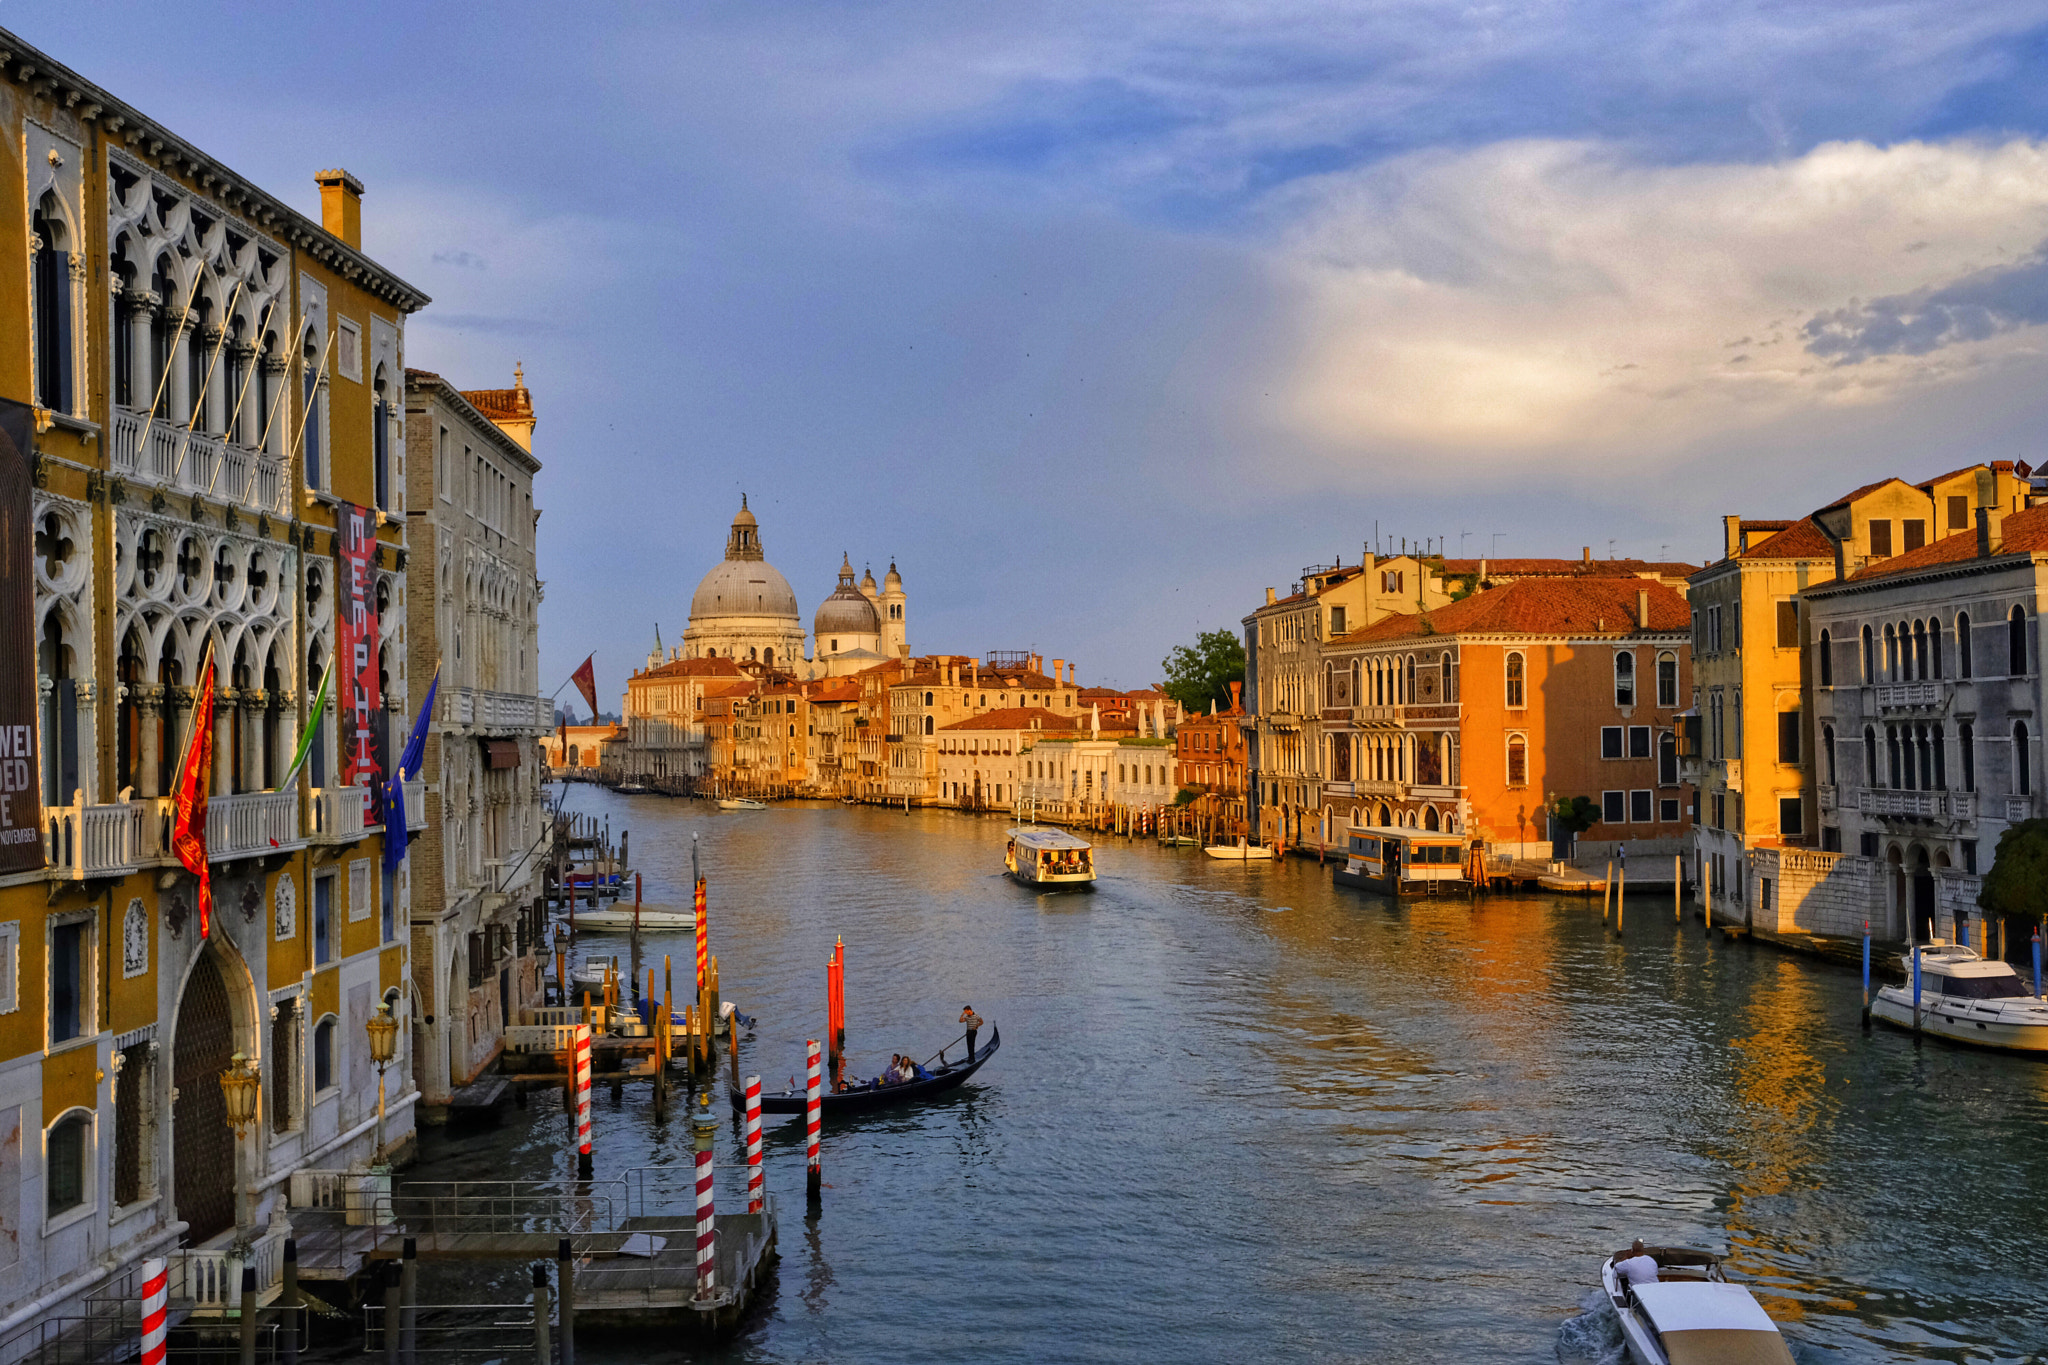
{"points": [[2019, 808], [416, 805], [1422, 793], [340, 815], [209, 466], [1913, 805], [1912, 696], [496, 712], [1281, 720], [1733, 774], [1340, 789], [1827, 799], [252, 824], [82, 842]]}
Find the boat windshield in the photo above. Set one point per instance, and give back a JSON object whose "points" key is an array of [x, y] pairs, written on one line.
{"points": [[2004, 987]]}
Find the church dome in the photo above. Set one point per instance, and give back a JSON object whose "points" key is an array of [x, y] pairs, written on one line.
{"points": [[847, 611], [744, 583], [892, 581]]}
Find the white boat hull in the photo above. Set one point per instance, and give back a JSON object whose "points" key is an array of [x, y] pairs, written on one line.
{"points": [[1250, 853], [742, 804], [1995, 1024], [621, 921]]}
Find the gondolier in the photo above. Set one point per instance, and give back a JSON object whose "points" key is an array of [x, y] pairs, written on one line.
{"points": [[973, 1023]]}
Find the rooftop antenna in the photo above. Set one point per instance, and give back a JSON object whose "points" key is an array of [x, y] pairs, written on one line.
{"points": [[1610, 547], [1461, 543]]}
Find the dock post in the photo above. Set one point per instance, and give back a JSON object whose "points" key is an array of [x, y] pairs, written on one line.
{"points": [[565, 1289], [1707, 892], [1607, 894], [706, 1126], [1620, 894], [288, 1296], [248, 1315], [584, 1169], [1866, 975], [754, 1184], [408, 1299], [1677, 890], [391, 1314], [156, 1302], [543, 1349], [814, 1178]]}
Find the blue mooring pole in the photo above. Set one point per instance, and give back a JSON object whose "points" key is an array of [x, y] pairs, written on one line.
{"points": [[1963, 931], [1916, 990], [2037, 959], [1866, 974]]}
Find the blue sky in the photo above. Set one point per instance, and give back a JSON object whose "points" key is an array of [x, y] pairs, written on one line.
{"points": [[1100, 319]]}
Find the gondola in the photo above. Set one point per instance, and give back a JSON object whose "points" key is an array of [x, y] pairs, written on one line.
{"points": [[861, 1099]]}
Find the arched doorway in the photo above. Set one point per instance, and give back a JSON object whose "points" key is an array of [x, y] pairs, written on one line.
{"points": [[202, 1145], [1923, 897]]}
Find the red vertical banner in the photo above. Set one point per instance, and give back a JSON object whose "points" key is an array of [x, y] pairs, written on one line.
{"points": [[195, 781], [360, 695], [21, 812]]}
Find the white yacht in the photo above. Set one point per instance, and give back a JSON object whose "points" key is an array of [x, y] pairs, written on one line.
{"points": [[741, 803], [1969, 999], [1691, 1315], [1240, 852], [1049, 858]]}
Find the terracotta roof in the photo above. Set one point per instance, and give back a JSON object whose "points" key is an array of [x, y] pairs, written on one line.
{"points": [[501, 405], [1799, 540], [694, 668], [1568, 568], [1751, 524], [1016, 718], [835, 689], [2021, 533], [1583, 605]]}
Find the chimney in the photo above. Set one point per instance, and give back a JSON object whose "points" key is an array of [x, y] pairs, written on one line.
{"points": [[1990, 531], [1585, 554], [1643, 608], [1731, 536], [341, 206], [1269, 597], [1237, 695], [1482, 571], [1059, 669]]}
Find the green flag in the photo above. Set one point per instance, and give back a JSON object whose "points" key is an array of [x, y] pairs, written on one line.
{"points": [[312, 727]]}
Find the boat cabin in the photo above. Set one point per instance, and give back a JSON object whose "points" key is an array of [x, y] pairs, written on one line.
{"points": [[1049, 857], [1400, 861]]}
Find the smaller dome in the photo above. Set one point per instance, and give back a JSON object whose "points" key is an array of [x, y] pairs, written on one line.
{"points": [[892, 581], [846, 612], [867, 580]]}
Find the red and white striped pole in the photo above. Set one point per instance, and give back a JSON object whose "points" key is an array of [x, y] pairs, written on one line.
{"points": [[814, 1109], [707, 1215], [156, 1302], [756, 1189], [584, 1168]]}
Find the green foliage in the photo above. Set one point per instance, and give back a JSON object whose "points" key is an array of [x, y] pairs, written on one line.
{"points": [[1187, 796], [1574, 814], [2018, 882], [1202, 674]]}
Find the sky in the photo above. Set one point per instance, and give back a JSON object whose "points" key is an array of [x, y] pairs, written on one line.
{"points": [[1099, 320]]}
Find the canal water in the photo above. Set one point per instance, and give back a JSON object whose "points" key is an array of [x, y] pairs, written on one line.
{"points": [[1240, 1113]]}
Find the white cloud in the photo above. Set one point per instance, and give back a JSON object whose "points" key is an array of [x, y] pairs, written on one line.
{"points": [[1545, 296]]}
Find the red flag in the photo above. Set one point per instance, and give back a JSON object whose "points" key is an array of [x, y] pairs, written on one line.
{"points": [[195, 776], [585, 679]]}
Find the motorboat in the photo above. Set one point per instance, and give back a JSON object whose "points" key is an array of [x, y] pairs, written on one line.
{"points": [[1400, 861], [1691, 1315], [1967, 998], [623, 919], [1049, 859], [631, 789], [741, 803], [1243, 851], [1177, 841]]}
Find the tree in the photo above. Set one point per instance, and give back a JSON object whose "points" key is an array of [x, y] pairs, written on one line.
{"points": [[1195, 677], [2017, 885], [1571, 816]]}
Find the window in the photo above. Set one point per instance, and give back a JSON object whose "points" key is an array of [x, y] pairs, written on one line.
{"points": [[1614, 807], [1515, 693], [1788, 624], [1831, 838], [2016, 642], [311, 414], [1638, 741], [1827, 660], [1867, 843], [1713, 630], [1880, 539], [1624, 678], [1518, 761], [283, 1046], [132, 1091], [1640, 805], [1336, 621], [1788, 737], [1958, 513], [1791, 815], [69, 981], [1610, 741], [1827, 749], [10, 961], [1719, 807], [1970, 856], [323, 1055], [1966, 749], [1667, 810], [1870, 756], [2022, 761], [1667, 680], [1891, 652], [1869, 656], [323, 915], [67, 1170], [380, 446], [1912, 534], [53, 305], [348, 350], [1667, 759], [1934, 647]]}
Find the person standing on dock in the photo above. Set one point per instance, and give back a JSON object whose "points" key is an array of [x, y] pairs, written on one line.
{"points": [[973, 1023], [1621, 855]]}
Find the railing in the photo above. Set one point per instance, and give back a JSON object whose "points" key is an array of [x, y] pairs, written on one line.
{"points": [[93, 841], [124, 440], [363, 1197], [1895, 696], [210, 466], [1434, 793], [456, 1333], [491, 710], [416, 805], [211, 1281], [1827, 797], [339, 815], [2019, 808], [254, 822], [1927, 805], [1340, 789]]}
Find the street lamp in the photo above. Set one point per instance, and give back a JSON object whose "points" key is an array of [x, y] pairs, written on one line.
{"points": [[383, 1031], [240, 1085]]}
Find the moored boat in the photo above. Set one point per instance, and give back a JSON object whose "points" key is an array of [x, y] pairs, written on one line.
{"points": [[862, 1097], [651, 917], [741, 803], [1243, 851], [1049, 859], [630, 789], [1967, 998], [1400, 861], [1691, 1314]]}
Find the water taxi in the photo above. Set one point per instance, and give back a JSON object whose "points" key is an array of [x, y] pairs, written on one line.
{"points": [[1691, 1314], [1967, 998], [741, 803], [1242, 851], [1398, 861], [624, 920], [1043, 857]]}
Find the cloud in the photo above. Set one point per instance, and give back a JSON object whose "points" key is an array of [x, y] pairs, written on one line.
{"points": [[1984, 304], [1541, 297]]}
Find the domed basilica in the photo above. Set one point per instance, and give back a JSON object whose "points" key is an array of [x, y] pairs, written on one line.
{"points": [[744, 610]]}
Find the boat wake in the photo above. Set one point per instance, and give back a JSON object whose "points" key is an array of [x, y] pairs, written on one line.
{"points": [[1594, 1335]]}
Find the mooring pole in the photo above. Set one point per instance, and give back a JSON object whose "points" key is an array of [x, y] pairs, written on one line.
{"points": [[1707, 891], [1607, 894], [156, 1302], [1677, 890], [408, 1299], [565, 1289], [288, 1297], [248, 1315], [1620, 894], [705, 1123], [755, 1191], [584, 1170], [814, 1179], [392, 1308], [1866, 974], [543, 1349]]}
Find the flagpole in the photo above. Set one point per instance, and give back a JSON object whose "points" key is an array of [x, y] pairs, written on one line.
{"points": [[142, 441], [205, 383]]}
